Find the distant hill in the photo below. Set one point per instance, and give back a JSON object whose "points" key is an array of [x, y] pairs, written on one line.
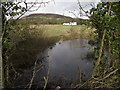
{"points": [[48, 15], [49, 18]]}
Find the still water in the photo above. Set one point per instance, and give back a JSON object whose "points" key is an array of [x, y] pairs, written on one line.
{"points": [[64, 63], [70, 58]]}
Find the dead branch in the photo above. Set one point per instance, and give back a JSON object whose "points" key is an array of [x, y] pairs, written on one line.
{"points": [[34, 73], [81, 8], [46, 80], [108, 75], [79, 85]]}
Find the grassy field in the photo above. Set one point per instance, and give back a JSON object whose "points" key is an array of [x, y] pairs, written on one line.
{"points": [[77, 31]]}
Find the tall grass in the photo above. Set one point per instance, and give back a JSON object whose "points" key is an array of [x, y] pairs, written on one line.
{"points": [[28, 43]]}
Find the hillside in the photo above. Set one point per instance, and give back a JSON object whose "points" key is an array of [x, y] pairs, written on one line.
{"points": [[49, 15], [49, 18]]}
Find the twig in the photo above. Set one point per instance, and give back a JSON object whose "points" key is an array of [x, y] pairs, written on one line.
{"points": [[46, 80], [81, 8], [79, 85], [106, 75], [34, 71]]}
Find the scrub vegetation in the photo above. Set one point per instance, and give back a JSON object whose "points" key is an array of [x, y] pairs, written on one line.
{"points": [[24, 38]]}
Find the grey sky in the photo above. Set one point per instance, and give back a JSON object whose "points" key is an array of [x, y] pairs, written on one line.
{"points": [[62, 7]]}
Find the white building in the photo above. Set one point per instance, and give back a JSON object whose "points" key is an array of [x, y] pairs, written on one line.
{"points": [[66, 24], [70, 23]]}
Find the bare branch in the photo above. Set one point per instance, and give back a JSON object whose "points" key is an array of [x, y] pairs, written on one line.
{"points": [[33, 5], [46, 80], [72, 12], [81, 8]]}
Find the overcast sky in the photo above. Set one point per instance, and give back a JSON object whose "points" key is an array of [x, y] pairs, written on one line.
{"points": [[63, 7]]}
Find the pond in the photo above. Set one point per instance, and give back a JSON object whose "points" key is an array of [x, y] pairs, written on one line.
{"points": [[65, 64], [70, 58]]}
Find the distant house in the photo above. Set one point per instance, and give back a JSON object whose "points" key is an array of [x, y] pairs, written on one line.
{"points": [[70, 23], [66, 23]]}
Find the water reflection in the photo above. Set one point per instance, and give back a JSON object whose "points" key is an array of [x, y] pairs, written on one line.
{"points": [[69, 58]]}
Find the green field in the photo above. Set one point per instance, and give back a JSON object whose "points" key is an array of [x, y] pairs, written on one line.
{"points": [[65, 31]]}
